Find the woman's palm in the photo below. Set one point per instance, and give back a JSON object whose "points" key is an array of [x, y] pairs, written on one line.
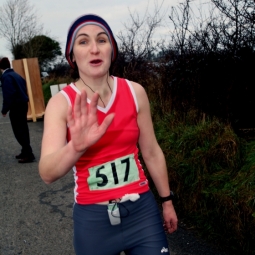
{"points": [[83, 123]]}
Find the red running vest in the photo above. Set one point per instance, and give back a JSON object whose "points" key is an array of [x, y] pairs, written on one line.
{"points": [[110, 168]]}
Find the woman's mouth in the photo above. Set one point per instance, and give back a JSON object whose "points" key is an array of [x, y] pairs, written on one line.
{"points": [[96, 61]]}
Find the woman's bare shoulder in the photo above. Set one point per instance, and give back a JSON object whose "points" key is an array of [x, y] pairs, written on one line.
{"points": [[57, 106], [139, 89]]}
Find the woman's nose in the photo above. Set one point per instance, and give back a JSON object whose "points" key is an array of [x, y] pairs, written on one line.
{"points": [[94, 47]]}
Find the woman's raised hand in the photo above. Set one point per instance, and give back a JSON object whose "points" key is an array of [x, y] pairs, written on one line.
{"points": [[83, 123]]}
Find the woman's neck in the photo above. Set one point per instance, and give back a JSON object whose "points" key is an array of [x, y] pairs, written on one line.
{"points": [[99, 84], [102, 85]]}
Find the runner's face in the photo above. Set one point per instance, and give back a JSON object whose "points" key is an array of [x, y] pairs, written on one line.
{"points": [[92, 51]]}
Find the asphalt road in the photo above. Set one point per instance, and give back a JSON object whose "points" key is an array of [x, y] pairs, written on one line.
{"points": [[36, 219]]}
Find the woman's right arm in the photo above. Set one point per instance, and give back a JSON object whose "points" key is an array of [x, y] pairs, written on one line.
{"points": [[58, 156]]}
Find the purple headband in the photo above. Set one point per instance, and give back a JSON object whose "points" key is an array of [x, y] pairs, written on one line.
{"points": [[88, 19]]}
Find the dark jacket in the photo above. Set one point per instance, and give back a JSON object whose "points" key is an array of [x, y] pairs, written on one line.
{"points": [[14, 90]]}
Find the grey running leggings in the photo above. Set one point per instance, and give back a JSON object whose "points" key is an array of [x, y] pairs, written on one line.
{"points": [[139, 233]]}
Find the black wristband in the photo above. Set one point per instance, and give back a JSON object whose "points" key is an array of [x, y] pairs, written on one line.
{"points": [[164, 199]]}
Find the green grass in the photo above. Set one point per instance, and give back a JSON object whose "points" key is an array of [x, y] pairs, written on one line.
{"points": [[47, 92], [212, 172]]}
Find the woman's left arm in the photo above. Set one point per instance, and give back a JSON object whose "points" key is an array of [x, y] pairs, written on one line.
{"points": [[153, 156]]}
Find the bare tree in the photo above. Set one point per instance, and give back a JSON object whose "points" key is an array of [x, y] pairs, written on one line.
{"points": [[227, 25], [136, 40], [137, 44], [18, 24], [180, 17], [238, 26]]}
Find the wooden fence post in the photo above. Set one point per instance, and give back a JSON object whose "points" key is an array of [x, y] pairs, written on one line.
{"points": [[30, 71], [29, 90]]}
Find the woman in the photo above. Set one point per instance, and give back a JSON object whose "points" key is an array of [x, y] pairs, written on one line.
{"points": [[103, 118]]}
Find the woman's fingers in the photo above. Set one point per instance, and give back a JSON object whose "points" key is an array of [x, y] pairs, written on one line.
{"points": [[106, 123], [83, 120], [170, 226], [93, 104], [80, 110], [83, 106], [77, 107]]}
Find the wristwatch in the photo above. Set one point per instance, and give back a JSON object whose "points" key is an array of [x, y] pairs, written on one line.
{"points": [[164, 199]]}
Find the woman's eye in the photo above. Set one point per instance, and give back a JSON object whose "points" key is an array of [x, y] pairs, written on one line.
{"points": [[83, 42], [102, 40]]}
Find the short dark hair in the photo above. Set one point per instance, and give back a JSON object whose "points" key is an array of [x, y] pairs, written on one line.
{"points": [[4, 63]]}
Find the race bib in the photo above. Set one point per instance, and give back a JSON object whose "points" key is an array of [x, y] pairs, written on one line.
{"points": [[113, 174]]}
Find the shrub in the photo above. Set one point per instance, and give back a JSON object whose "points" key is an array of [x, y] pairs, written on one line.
{"points": [[52, 81], [212, 172]]}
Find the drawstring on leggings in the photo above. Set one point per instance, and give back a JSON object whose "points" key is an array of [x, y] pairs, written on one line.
{"points": [[113, 207], [116, 204]]}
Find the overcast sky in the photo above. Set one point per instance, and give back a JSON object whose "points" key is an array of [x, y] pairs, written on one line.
{"points": [[57, 15]]}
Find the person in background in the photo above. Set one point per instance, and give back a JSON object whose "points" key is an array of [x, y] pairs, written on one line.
{"points": [[15, 101], [95, 125]]}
